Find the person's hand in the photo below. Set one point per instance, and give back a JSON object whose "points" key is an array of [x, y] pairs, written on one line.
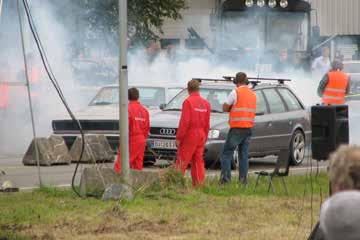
{"points": [[177, 143]]}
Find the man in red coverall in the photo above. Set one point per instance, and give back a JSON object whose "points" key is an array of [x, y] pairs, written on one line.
{"points": [[192, 133], [139, 126]]}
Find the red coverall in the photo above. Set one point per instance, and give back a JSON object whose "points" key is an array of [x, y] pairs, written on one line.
{"points": [[192, 134], [139, 126]]}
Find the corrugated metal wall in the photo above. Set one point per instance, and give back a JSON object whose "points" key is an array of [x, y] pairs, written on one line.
{"points": [[340, 17], [197, 16]]}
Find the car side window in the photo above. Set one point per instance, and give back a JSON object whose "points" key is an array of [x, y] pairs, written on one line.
{"points": [[260, 103], [291, 101], [275, 103]]}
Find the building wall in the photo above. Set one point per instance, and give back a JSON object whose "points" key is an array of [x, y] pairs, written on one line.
{"points": [[337, 17], [197, 15], [334, 17], [341, 18]]}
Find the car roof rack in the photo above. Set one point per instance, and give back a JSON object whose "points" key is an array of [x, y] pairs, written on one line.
{"points": [[252, 80], [260, 79], [212, 80]]}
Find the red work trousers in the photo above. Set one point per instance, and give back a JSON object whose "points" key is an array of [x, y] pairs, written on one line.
{"points": [[191, 151], [136, 149]]}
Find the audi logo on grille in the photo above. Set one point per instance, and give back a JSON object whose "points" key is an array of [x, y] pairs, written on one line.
{"points": [[167, 131]]}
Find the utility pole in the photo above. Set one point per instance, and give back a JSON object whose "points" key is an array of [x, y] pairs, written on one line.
{"points": [[29, 92], [123, 92], [1, 4]]}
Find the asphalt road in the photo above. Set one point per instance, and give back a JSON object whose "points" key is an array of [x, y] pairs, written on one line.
{"points": [[26, 177]]}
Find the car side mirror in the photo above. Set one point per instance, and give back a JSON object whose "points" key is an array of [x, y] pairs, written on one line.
{"points": [[162, 106], [260, 113]]}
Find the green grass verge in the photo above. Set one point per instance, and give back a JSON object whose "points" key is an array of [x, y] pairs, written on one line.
{"points": [[170, 208]]}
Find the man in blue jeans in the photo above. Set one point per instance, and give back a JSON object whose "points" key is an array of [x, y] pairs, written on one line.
{"points": [[241, 105]]}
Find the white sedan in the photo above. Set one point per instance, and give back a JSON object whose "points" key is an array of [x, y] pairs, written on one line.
{"points": [[101, 116], [353, 69]]}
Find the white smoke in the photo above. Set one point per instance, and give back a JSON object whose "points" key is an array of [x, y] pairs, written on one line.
{"points": [[56, 38], [45, 101]]}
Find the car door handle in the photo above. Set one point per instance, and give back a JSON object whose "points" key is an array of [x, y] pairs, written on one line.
{"points": [[270, 124], [290, 123]]}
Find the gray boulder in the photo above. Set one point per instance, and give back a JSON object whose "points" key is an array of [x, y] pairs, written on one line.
{"points": [[118, 191]]}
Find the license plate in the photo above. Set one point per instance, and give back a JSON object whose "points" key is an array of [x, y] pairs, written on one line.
{"points": [[163, 144]]}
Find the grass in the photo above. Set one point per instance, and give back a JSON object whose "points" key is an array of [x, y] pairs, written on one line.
{"points": [[168, 210]]}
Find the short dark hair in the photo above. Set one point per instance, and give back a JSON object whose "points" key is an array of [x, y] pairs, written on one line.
{"points": [[193, 85], [240, 78], [133, 94], [337, 65]]}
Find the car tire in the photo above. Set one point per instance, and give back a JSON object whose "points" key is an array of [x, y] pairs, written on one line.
{"points": [[236, 159], [213, 165], [297, 148]]}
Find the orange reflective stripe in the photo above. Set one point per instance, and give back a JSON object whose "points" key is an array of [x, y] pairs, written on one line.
{"points": [[331, 97], [336, 90], [242, 119], [243, 110]]}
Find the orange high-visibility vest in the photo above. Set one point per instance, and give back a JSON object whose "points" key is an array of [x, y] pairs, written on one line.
{"points": [[4, 95], [335, 90], [242, 114]]}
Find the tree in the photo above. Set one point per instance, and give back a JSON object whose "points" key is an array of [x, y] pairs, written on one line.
{"points": [[145, 17]]}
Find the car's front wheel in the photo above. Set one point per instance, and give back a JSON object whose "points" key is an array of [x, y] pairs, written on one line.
{"points": [[297, 148]]}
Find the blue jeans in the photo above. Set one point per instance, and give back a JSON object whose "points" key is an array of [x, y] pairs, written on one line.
{"points": [[236, 137]]}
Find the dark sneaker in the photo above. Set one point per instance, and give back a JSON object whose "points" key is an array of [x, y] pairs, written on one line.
{"points": [[243, 181], [222, 182]]}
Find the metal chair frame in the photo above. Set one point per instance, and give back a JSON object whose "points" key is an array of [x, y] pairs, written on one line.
{"points": [[282, 163]]}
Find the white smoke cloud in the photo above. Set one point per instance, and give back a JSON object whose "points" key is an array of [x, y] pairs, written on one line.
{"points": [[45, 102], [57, 38]]}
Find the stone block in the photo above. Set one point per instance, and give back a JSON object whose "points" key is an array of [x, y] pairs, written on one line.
{"points": [[52, 151], [60, 151], [95, 180], [97, 149]]}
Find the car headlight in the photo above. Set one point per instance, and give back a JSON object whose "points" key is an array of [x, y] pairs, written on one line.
{"points": [[214, 134]]}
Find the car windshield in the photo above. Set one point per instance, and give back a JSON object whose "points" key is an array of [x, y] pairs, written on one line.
{"points": [[352, 67], [216, 98], [172, 92], [149, 96], [152, 96]]}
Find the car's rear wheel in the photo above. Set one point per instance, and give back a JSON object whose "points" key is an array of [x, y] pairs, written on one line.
{"points": [[297, 148]]}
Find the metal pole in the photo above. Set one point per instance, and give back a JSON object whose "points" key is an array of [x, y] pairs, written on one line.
{"points": [[123, 92], [1, 6], [29, 95]]}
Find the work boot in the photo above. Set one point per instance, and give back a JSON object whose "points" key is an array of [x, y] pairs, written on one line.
{"points": [[243, 181], [223, 182]]}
